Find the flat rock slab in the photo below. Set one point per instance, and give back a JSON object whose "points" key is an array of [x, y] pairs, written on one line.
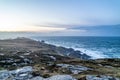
{"points": [[75, 69]]}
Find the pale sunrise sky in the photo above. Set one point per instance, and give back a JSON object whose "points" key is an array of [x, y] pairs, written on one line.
{"points": [[61, 17]]}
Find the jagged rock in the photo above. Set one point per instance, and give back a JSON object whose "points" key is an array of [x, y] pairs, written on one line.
{"points": [[42, 41], [26, 69], [4, 74], [52, 57], [25, 74], [42, 68], [19, 74], [75, 69]]}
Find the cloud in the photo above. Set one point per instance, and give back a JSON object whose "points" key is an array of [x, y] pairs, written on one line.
{"points": [[84, 30], [55, 25], [66, 27]]}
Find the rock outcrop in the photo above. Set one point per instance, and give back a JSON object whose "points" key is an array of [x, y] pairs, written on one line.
{"points": [[25, 45], [75, 69], [25, 73], [19, 74]]}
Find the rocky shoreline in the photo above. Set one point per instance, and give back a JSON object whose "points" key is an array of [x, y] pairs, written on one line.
{"points": [[27, 59], [25, 73]]}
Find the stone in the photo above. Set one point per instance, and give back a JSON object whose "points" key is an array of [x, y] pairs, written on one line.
{"points": [[75, 69], [42, 68], [4, 74]]}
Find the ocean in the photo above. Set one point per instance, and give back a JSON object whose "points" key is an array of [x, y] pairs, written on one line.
{"points": [[96, 47]]}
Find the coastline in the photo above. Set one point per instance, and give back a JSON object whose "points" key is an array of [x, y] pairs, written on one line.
{"points": [[101, 47], [48, 60]]}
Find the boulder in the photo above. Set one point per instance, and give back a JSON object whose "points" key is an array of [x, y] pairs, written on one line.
{"points": [[4, 74], [19, 74]]}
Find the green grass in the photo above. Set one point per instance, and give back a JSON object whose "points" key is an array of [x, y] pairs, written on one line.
{"points": [[1, 68]]}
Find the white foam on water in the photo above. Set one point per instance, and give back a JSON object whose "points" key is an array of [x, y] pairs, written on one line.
{"points": [[93, 54]]}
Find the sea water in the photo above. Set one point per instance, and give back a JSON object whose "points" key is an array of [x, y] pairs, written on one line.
{"points": [[96, 47]]}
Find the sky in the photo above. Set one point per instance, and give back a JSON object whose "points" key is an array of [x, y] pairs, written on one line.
{"points": [[61, 17]]}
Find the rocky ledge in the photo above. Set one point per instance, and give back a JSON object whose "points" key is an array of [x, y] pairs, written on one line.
{"points": [[25, 73], [26, 46]]}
